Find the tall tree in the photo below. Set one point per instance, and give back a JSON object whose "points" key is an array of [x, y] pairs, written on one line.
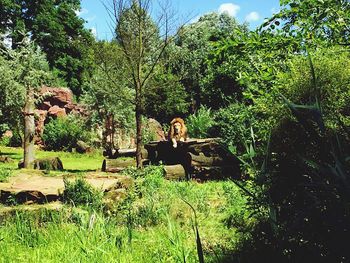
{"points": [[108, 110], [194, 44], [56, 28], [143, 42], [30, 70]]}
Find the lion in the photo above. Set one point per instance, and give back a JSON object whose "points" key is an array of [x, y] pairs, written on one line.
{"points": [[177, 131]]}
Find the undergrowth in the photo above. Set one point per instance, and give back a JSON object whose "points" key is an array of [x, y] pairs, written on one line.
{"points": [[153, 221]]}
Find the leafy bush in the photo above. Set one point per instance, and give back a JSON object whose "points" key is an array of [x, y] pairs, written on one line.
{"points": [[304, 180], [63, 133], [200, 123], [79, 192], [4, 174]]}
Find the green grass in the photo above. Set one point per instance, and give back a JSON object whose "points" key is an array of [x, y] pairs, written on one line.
{"points": [[72, 162], [153, 223]]}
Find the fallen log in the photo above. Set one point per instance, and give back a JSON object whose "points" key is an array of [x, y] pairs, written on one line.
{"points": [[215, 173], [202, 160], [116, 165], [209, 149], [126, 152], [174, 172]]}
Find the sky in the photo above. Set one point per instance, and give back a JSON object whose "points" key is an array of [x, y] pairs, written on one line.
{"points": [[252, 11]]}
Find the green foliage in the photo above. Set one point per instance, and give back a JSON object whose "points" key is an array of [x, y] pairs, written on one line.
{"points": [[190, 58], [200, 123], [313, 21], [56, 28], [5, 173], [63, 133], [23, 69], [5, 141], [166, 97], [81, 193], [332, 69], [108, 79]]}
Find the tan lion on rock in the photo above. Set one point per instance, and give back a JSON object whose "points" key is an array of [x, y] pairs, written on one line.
{"points": [[177, 131]]}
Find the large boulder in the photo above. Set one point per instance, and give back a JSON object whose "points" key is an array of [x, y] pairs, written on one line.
{"points": [[56, 111], [53, 163], [57, 96], [155, 129], [82, 147]]}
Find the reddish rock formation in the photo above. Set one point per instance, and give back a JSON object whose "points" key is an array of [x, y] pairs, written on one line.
{"points": [[57, 112], [57, 102], [57, 96]]}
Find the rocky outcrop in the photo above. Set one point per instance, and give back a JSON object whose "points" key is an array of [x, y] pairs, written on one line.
{"points": [[56, 103], [57, 96], [57, 112], [53, 163], [155, 129]]}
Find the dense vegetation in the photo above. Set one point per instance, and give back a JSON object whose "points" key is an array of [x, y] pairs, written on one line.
{"points": [[278, 96]]}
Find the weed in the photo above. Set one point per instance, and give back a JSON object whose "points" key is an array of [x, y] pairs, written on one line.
{"points": [[5, 173], [79, 192]]}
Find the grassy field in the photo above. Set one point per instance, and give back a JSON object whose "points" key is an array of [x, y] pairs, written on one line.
{"points": [[153, 223]]}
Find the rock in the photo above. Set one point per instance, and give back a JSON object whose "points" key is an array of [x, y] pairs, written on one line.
{"points": [[117, 192], [46, 105], [59, 96], [76, 109], [54, 164], [56, 111], [7, 134], [83, 147], [156, 129], [5, 159], [124, 182]]}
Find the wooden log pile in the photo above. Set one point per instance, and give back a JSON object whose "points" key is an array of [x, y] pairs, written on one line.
{"points": [[202, 159], [122, 159]]}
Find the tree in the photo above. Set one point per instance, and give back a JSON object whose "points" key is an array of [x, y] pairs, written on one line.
{"points": [[191, 52], [56, 28], [30, 70], [166, 97], [143, 43], [314, 20], [108, 79]]}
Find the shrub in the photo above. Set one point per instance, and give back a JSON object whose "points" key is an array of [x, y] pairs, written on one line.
{"points": [[4, 174], [63, 133], [200, 123], [79, 192]]}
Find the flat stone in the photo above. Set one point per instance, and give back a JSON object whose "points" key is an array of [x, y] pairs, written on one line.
{"points": [[31, 189]]}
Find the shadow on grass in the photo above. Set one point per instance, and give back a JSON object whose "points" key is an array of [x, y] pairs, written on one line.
{"points": [[79, 171], [10, 154]]}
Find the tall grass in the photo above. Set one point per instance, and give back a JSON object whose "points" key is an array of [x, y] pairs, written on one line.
{"points": [[152, 224]]}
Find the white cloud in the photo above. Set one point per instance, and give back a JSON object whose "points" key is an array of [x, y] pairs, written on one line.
{"points": [[229, 8], [94, 31], [252, 16], [81, 12]]}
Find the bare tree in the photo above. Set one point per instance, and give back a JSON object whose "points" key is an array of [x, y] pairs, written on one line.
{"points": [[143, 41]]}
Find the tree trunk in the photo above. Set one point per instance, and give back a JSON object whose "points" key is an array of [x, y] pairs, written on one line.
{"points": [[29, 129], [138, 115]]}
